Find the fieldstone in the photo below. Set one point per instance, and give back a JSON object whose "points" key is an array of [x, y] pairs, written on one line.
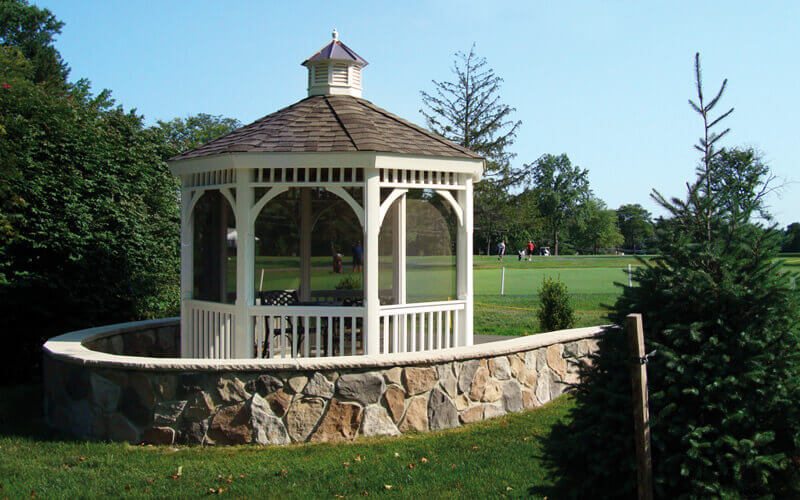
{"points": [[200, 406], [529, 400], [445, 370], [267, 428], [167, 412], [193, 432], [499, 368], [493, 391], [576, 349], [231, 425], [442, 413], [131, 406], [592, 345], [483, 362], [466, 375], [119, 428], [541, 359], [492, 411], [555, 360], [377, 422], [231, 389], [81, 417], [512, 396], [159, 435], [366, 388], [340, 423], [279, 401], [573, 374], [518, 368], [264, 385], [543, 386], [478, 385], [530, 360], [303, 416], [164, 386], [530, 379], [416, 417], [419, 379], [557, 388], [462, 402], [297, 383], [394, 375], [140, 383], [105, 393], [449, 385], [470, 415], [318, 385], [189, 383], [395, 400]]}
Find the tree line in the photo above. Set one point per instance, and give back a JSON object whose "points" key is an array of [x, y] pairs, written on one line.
{"points": [[548, 201]]}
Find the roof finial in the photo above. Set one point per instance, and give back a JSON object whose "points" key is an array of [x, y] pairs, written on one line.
{"points": [[335, 35]]}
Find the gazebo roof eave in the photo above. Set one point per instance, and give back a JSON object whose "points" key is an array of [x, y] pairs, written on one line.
{"points": [[332, 159]]}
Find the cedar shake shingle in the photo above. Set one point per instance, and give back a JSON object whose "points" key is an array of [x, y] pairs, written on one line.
{"points": [[332, 124]]}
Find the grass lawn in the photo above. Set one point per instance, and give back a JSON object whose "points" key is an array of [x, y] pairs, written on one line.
{"points": [[490, 458]]}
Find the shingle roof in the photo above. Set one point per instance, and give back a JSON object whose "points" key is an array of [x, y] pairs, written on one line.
{"points": [[331, 123], [336, 50]]}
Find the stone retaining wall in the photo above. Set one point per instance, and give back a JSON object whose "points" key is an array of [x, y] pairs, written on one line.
{"points": [[163, 401]]}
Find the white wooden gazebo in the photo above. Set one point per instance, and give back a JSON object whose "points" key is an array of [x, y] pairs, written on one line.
{"points": [[278, 199]]}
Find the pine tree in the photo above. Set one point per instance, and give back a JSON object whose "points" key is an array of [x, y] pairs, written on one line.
{"points": [[724, 385]]}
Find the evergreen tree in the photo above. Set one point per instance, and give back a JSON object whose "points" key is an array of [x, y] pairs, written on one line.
{"points": [[469, 111], [725, 324]]}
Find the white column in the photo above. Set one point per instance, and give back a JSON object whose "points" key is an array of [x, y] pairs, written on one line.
{"points": [[187, 273], [399, 250], [464, 263], [372, 209], [245, 266], [305, 244]]}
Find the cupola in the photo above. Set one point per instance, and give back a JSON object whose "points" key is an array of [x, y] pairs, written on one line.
{"points": [[334, 70]]}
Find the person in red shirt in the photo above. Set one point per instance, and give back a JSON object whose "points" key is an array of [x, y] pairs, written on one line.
{"points": [[529, 250]]}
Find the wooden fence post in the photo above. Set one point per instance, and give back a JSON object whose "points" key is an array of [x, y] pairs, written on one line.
{"points": [[641, 413]]}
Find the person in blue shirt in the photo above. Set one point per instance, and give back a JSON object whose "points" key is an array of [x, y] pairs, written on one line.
{"points": [[358, 256]]}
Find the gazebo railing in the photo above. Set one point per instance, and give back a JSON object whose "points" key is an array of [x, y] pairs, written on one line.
{"points": [[420, 327], [210, 327], [307, 331]]}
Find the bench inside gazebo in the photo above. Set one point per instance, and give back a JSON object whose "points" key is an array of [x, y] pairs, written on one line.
{"points": [[275, 215]]}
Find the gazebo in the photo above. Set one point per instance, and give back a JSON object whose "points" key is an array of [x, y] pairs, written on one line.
{"points": [[328, 228]]}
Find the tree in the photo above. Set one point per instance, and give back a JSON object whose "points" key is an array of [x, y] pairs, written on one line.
{"points": [[88, 209], [635, 224], [31, 31], [595, 227], [559, 188], [725, 383], [183, 134], [792, 238], [469, 111]]}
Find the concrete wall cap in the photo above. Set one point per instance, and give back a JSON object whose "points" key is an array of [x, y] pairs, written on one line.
{"points": [[71, 347]]}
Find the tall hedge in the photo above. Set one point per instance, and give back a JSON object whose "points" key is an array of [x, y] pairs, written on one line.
{"points": [[88, 215]]}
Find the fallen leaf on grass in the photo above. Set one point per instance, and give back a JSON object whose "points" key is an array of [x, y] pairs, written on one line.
{"points": [[149, 479], [474, 447], [424, 460], [509, 488], [396, 454], [411, 465], [346, 464], [358, 458], [282, 472], [387, 486]]}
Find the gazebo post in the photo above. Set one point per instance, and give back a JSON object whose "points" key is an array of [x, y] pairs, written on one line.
{"points": [[372, 226], [399, 251], [305, 244], [464, 262], [245, 266], [187, 264]]}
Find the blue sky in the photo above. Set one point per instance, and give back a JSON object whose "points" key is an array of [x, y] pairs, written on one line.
{"points": [[605, 82]]}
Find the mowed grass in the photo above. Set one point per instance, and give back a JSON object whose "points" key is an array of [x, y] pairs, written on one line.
{"points": [[500, 457], [592, 282]]}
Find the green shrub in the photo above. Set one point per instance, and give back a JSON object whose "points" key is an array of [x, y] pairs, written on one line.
{"points": [[350, 282], [555, 312]]}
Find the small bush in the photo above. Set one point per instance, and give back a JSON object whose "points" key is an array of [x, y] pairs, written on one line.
{"points": [[555, 312], [350, 282]]}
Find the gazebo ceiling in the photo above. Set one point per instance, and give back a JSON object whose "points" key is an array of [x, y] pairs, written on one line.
{"points": [[331, 123]]}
